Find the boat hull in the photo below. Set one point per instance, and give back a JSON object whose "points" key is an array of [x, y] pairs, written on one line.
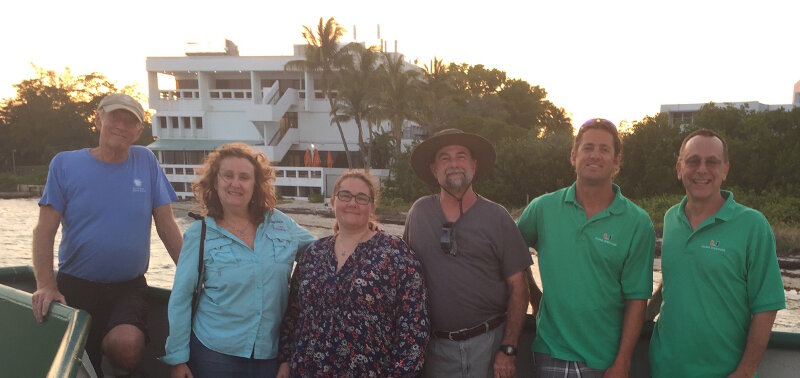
{"points": [[782, 358]]}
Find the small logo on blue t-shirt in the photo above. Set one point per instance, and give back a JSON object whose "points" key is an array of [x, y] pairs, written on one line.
{"points": [[137, 186]]}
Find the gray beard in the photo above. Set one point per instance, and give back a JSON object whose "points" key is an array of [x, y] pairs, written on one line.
{"points": [[456, 186]]}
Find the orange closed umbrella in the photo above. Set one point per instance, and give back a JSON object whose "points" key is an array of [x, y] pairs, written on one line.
{"points": [[307, 158], [330, 160], [317, 159]]}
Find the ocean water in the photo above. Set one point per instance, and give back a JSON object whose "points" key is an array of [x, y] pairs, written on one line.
{"points": [[18, 217]]}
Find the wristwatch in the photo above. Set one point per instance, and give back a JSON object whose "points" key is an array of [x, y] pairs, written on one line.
{"points": [[508, 350]]}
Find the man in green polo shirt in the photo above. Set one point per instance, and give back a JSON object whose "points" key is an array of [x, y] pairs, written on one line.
{"points": [[721, 281], [595, 251]]}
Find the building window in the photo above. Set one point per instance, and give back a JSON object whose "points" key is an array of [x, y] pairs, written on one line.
{"points": [[174, 122], [178, 186], [198, 122], [194, 157], [187, 122], [173, 157], [163, 122], [187, 84]]}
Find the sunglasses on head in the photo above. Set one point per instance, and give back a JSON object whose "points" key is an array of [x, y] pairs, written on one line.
{"points": [[598, 122], [448, 239]]}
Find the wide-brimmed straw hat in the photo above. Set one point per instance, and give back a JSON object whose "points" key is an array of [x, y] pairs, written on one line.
{"points": [[480, 148]]}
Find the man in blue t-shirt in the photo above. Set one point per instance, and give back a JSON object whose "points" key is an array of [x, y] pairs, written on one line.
{"points": [[105, 199]]}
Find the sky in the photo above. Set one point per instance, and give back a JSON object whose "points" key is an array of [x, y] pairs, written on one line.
{"points": [[614, 59]]}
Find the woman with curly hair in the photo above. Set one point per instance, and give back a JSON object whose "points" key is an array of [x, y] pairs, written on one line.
{"points": [[248, 254]]}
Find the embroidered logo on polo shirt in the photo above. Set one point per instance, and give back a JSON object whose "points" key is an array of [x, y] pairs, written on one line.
{"points": [[713, 245], [606, 239], [137, 186]]}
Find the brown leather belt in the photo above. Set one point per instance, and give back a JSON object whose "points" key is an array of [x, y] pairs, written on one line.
{"points": [[469, 333]]}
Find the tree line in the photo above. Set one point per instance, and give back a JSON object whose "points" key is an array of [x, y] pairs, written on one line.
{"points": [[52, 112]]}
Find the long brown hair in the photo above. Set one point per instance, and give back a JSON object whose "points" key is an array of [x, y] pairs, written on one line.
{"points": [[263, 199], [367, 178]]}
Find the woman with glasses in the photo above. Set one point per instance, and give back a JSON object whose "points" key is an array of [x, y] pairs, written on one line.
{"points": [[248, 253], [356, 299]]}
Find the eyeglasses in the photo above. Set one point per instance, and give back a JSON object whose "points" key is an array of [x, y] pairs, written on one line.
{"points": [[448, 239], [599, 122], [361, 198]]}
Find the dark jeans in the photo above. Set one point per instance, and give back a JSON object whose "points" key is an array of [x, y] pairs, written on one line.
{"points": [[204, 362]]}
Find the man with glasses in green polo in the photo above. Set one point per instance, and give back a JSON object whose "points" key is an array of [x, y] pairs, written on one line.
{"points": [[595, 250], [473, 260], [721, 282]]}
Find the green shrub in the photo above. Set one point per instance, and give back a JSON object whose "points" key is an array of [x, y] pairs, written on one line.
{"points": [[392, 205], [315, 197], [787, 238], [656, 206], [9, 182]]}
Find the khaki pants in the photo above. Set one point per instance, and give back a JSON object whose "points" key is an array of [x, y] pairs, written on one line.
{"points": [[466, 359]]}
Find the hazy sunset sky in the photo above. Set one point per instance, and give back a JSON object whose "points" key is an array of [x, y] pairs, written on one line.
{"points": [[615, 59]]}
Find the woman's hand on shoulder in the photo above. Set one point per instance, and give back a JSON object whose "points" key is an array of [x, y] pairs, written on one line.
{"points": [[180, 371], [283, 370], [374, 226]]}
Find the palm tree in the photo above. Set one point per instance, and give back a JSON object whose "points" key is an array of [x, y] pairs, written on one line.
{"points": [[323, 54], [435, 101], [400, 91], [356, 98]]}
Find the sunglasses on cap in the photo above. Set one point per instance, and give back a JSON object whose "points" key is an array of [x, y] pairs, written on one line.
{"points": [[448, 239], [599, 122]]}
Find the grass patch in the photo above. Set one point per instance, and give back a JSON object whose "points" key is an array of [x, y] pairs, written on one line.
{"points": [[9, 182], [392, 205], [787, 239]]}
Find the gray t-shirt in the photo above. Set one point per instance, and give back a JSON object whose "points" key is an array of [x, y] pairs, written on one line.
{"points": [[470, 287]]}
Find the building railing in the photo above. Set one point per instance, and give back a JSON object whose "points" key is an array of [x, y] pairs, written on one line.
{"points": [[298, 173], [183, 94], [230, 94], [185, 174]]}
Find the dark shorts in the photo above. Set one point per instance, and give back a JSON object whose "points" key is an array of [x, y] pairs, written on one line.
{"points": [[109, 304]]}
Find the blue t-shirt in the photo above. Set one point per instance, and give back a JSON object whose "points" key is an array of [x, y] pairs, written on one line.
{"points": [[106, 212]]}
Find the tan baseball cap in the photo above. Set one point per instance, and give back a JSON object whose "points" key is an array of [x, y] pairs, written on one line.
{"points": [[116, 101]]}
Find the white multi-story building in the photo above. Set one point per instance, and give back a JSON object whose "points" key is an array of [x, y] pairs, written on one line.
{"points": [[216, 98], [684, 113]]}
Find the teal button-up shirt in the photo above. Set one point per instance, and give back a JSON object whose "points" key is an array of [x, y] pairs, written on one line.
{"points": [[246, 291]]}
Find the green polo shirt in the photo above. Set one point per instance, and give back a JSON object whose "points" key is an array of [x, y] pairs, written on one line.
{"points": [[589, 267], [715, 278]]}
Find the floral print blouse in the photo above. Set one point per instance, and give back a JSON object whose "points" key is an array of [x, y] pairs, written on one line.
{"points": [[367, 320]]}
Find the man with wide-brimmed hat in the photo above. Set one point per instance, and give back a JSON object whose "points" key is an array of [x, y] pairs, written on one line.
{"points": [[595, 250], [473, 258], [105, 198]]}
